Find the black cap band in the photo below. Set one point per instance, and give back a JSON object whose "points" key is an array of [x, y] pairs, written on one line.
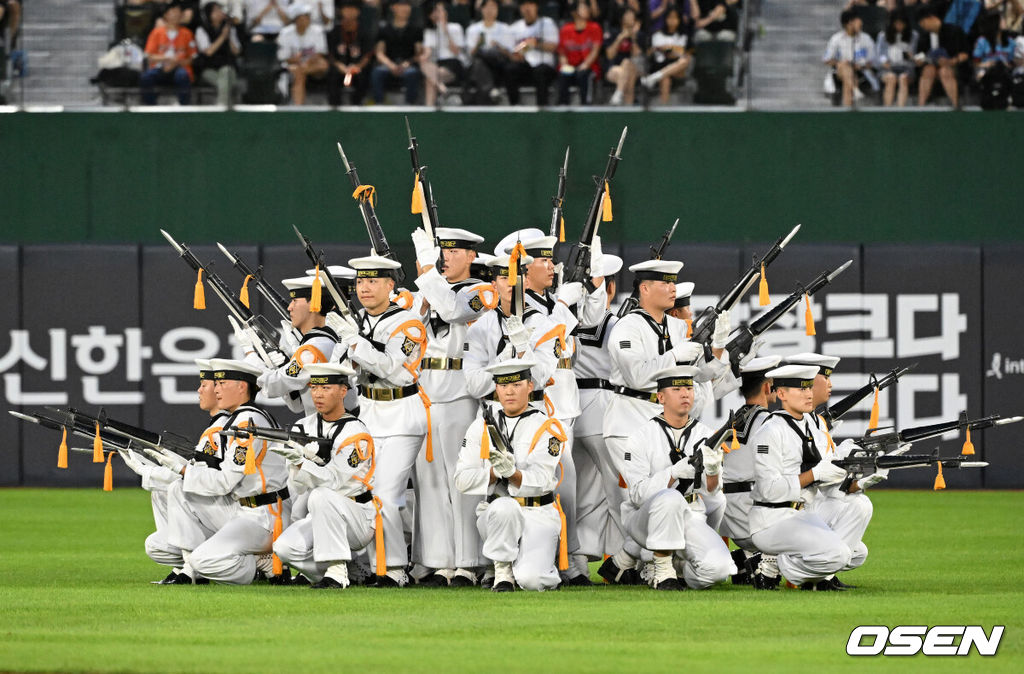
{"points": [[205, 374], [234, 375], [827, 371], [375, 273], [540, 252], [647, 275], [512, 377], [456, 243], [681, 302], [788, 382], [672, 382], [328, 380]]}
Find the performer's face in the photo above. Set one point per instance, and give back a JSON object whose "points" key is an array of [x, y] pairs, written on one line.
{"points": [[540, 275], [677, 400], [514, 397], [798, 400], [456, 262], [329, 399], [659, 295], [822, 389], [373, 293], [207, 395], [298, 310], [231, 393]]}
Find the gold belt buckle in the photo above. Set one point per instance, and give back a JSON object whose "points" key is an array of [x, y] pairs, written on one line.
{"points": [[565, 363], [521, 500], [798, 505]]}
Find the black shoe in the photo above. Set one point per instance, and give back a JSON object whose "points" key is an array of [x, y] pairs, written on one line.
{"points": [[581, 580], [763, 582], [327, 584], [487, 582], [503, 586], [185, 579], [742, 577], [169, 580], [670, 584], [433, 580], [820, 586], [462, 581], [299, 579], [386, 581], [280, 579], [616, 576], [840, 585]]}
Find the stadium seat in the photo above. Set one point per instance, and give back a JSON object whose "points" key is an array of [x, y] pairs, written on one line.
{"points": [[260, 70], [712, 69]]}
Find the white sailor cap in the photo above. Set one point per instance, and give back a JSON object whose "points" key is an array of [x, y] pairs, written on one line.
{"points": [[328, 373], [374, 266], [509, 242], [683, 292], [298, 9], [223, 369], [609, 265], [511, 370], [450, 237], [793, 376], [760, 365], [540, 246], [299, 283], [657, 270], [205, 371], [825, 364], [337, 271], [677, 375], [499, 264]]}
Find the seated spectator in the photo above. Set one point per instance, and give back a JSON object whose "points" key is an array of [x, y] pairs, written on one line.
{"points": [[623, 50], [1012, 13], [302, 49], [350, 51], [170, 49], [715, 21], [323, 13], [669, 58], [993, 62], [218, 46], [264, 19], [533, 56], [444, 44], [941, 48], [656, 10], [849, 54], [579, 45], [897, 45], [490, 45], [399, 46]]}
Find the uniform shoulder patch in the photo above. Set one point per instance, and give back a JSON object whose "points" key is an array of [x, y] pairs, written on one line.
{"points": [[239, 455], [294, 368], [558, 348], [554, 446], [762, 449], [353, 458], [208, 448], [476, 304], [408, 346], [624, 344]]}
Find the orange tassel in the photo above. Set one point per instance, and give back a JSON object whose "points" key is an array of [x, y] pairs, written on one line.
{"points": [[622, 482], [314, 299], [417, 197], [243, 295], [940, 483], [873, 420], [62, 453], [735, 441], [275, 561], [561, 229], [199, 296], [97, 446], [366, 193], [762, 289], [809, 316], [513, 263], [485, 445], [689, 328], [378, 538], [563, 548], [108, 474], [968, 445], [430, 433], [606, 204]]}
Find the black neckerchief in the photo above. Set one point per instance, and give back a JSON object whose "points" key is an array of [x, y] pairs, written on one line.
{"points": [[660, 329], [368, 323], [810, 455], [744, 420], [677, 453], [244, 407], [322, 331], [503, 340], [594, 336], [545, 300]]}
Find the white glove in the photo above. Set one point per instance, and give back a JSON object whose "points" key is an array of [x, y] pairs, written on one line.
{"points": [[245, 337], [346, 328], [290, 451], [518, 335], [596, 254], [687, 352], [277, 359], [723, 326], [502, 463], [132, 461], [869, 481], [827, 472], [712, 460], [570, 293], [167, 459], [426, 251], [288, 342], [310, 451], [752, 354], [681, 470]]}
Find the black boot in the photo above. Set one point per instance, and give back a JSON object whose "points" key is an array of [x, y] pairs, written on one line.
{"points": [[763, 582], [616, 576], [742, 577], [820, 586]]}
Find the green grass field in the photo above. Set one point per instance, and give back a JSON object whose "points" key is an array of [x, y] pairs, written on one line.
{"points": [[75, 595]]}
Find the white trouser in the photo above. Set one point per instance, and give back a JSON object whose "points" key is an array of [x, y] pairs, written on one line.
{"points": [[445, 532], [566, 491], [600, 529], [807, 548], [395, 456], [335, 526], [714, 508], [158, 547], [848, 515], [736, 519], [614, 444], [228, 556], [528, 537], [191, 518], [300, 505]]}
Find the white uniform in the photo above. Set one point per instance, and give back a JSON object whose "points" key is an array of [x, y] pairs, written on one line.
{"points": [[261, 501], [387, 354], [663, 513], [290, 382], [807, 549], [738, 478], [526, 535], [487, 343], [445, 533], [341, 515]]}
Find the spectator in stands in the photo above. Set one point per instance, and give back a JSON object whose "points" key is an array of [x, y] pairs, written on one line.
{"points": [[444, 45], [461, 12], [508, 12], [614, 9], [490, 45], [993, 62], [579, 45], [170, 49], [10, 21], [533, 57], [218, 46], [302, 50], [264, 19], [669, 58], [714, 21], [399, 46], [623, 50], [849, 54], [350, 51], [941, 48], [323, 13], [1012, 13], [897, 45], [656, 10]]}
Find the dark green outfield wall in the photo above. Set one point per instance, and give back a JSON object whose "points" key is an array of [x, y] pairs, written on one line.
{"points": [[246, 177]]}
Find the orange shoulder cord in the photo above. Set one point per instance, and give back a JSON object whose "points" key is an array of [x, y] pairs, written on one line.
{"points": [[421, 340], [62, 452], [243, 294], [363, 451], [256, 462], [555, 428], [557, 331], [404, 299], [318, 355], [831, 442], [108, 474], [490, 301]]}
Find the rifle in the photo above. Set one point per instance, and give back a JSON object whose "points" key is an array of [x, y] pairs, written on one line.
{"points": [[497, 439], [884, 450], [704, 326], [338, 293], [324, 445], [267, 334], [712, 441], [742, 342], [832, 413], [558, 201], [657, 251], [373, 227], [578, 264], [429, 213], [279, 303]]}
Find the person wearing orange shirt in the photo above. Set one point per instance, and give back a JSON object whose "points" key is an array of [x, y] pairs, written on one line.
{"points": [[169, 51]]}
